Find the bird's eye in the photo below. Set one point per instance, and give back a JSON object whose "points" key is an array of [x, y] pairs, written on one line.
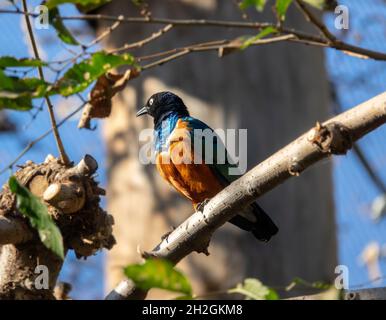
{"points": [[151, 101]]}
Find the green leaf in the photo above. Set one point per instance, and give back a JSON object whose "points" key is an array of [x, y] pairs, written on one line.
{"points": [[7, 61], [61, 30], [81, 75], [157, 273], [18, 85], [86, 4], [138, 3], [281, 8], [31, 207], [319, 4], [316, 285], [185, 297], [272, 295], [17, 93], [316, 3], [258, 4], [92, 5], [263, 33], [253, 289], [20, 104]]}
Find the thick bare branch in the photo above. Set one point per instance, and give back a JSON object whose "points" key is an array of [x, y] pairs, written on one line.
{"points": [[13, 231], [334, 136]]}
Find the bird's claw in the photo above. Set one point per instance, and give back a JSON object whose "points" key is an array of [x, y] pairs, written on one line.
{"points": [[167, 234], [200, 207]]}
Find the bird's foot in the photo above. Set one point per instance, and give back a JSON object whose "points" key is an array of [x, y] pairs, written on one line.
{"points": [[200, 207], [167, 234]]}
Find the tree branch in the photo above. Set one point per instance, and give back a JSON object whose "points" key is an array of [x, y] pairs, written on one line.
{"points": [[310, 39], [63, 156], [300, 36], [222, 47], [13, 231], [334, 136], [315, 21], [142, 42], [41, 137]]}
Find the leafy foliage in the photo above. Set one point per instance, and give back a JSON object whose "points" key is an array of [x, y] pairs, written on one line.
{"points": [[61, 30], [157, 273], [322, 4], [31, 207], [19, 103], [81, 75], [315, 285], [258, 4], [87, 4], [282, 7], [54, 17], [17, 85], [7, 62], [16, 93], [263, 33], [253, 289]]}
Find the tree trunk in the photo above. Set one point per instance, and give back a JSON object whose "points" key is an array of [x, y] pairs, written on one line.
{"points": [[276, 92]]}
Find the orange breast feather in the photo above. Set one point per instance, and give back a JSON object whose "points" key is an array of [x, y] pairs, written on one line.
{"points": [[195, 181]]}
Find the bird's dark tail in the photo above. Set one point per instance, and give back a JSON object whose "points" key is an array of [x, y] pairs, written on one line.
{"points": [[254, 219]]}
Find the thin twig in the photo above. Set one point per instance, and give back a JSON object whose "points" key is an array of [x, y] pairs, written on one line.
{"points": [[301, 36], [315, 21], [41, 137], [224, 44], [85, 47], [165, 60], [172, 51], [147, 40], [63, 156], [175, 22], [104, 34]]}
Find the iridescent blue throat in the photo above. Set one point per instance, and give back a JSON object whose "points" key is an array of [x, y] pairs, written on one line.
{"points": [[164, 129]]}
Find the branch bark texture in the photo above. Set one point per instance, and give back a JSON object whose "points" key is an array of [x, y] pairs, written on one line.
{"points": [[72, 198], [333, 137], [13, 231]]}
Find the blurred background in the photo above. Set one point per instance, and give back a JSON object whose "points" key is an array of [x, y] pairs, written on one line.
{"points": [[330, 215]]}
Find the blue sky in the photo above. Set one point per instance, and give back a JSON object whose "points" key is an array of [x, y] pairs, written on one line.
{"points": [[355, 80]]}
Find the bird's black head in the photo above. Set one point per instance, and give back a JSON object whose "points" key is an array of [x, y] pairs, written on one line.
{"points": [[162, 104]]}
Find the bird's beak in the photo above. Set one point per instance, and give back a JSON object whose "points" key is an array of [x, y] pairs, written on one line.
{"points": [[142, 111]]}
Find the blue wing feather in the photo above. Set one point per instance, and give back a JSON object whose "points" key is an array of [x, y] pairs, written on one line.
{"points": [[253, 218], [218, 167]]}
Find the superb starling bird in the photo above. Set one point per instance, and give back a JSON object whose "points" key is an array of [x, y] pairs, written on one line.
{"points": [[196, 180]]}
